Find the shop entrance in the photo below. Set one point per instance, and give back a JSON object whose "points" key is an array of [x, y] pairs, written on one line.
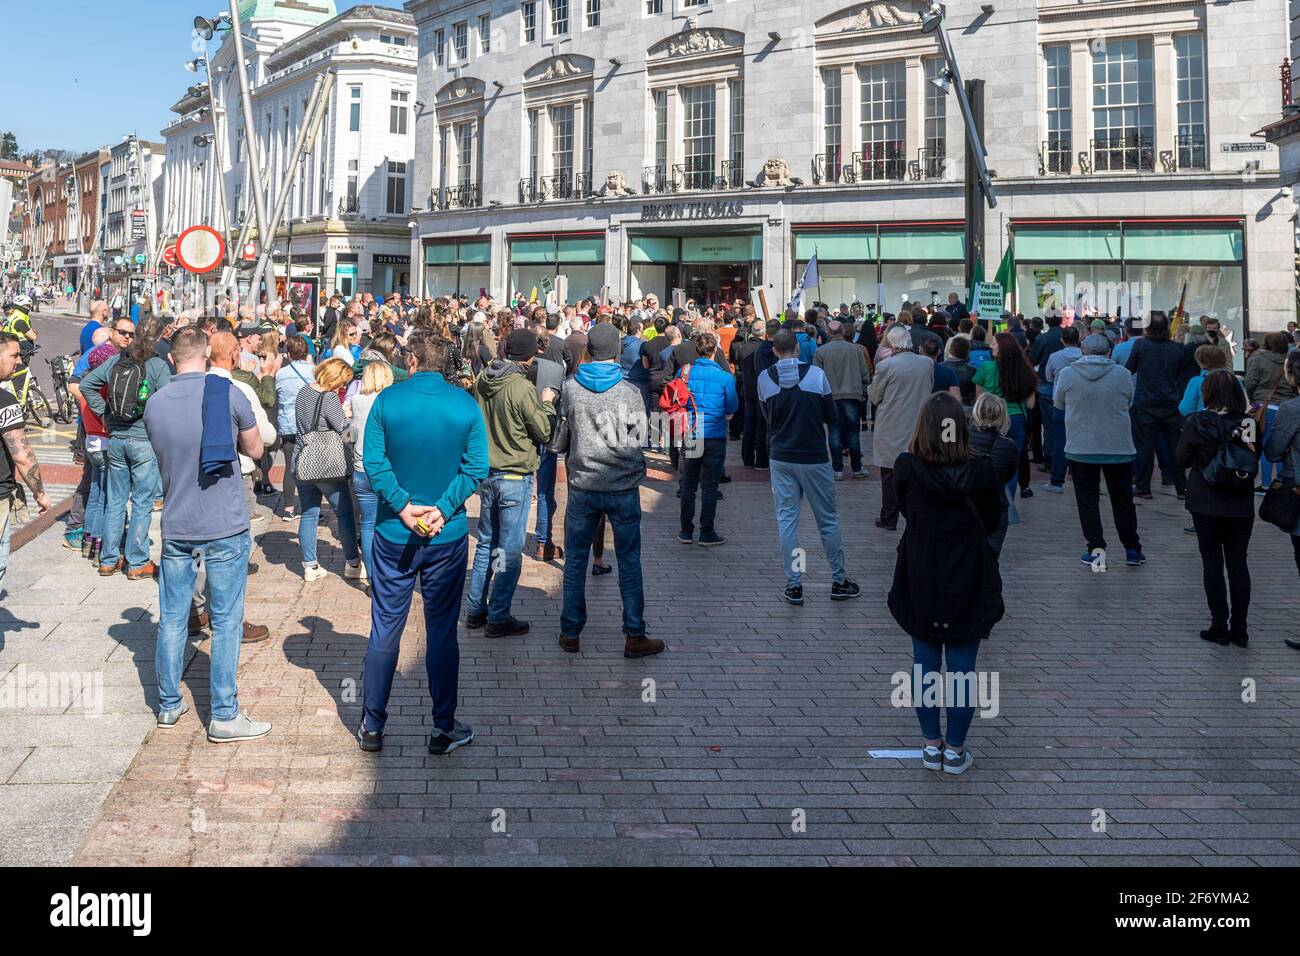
{"points": [[712, 283]]}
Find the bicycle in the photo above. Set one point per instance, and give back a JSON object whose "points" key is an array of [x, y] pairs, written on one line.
{"points": [[36, 407], [66, 408]]}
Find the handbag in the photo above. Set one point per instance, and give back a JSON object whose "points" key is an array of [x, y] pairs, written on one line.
{"points": [[1281, 507], [559, 443], [322, 453], [1261, 414]]}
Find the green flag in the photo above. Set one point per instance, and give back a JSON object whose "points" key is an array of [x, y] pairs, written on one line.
{"points": [[1006, 276]]}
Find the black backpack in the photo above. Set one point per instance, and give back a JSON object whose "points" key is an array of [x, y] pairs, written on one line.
{"points": [[124, 381], [1233, 468]]}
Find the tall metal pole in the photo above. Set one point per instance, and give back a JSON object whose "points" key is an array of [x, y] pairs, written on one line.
{"points": [[320, 92], [254, 154], [221, 162]]}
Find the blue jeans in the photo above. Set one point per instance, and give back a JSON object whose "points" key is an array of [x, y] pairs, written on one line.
{"points": [[1044, 406], [1017, 435], [581, 518], [1267, 467], [96, 498], [132, 473], [441, 570], [309, 499], [846, 429], [791, 483], [702, 473], [4, 544], [1057, 416], [368, 505], [502, 526], [546, 503], [961, 660], [225, 564]]}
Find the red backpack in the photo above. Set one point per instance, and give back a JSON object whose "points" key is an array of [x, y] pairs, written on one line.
{"points": [[676, 400]]}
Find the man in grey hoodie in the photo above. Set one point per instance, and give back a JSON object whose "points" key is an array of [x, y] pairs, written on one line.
{"points": [[605, 423], [1095, 395]]}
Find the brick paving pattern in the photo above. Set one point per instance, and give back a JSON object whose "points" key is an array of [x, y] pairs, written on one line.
{"points": [[1109, 704]]}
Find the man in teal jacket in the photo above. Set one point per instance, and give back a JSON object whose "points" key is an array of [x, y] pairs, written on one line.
{"points": [[426, 452]]}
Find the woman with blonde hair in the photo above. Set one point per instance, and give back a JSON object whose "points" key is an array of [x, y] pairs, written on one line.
{"points": [[376, 377], [346, 344], [988, 437], [318, 409]]}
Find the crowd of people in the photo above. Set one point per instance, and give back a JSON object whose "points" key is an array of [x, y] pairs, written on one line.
{"points": [[396, 411]]}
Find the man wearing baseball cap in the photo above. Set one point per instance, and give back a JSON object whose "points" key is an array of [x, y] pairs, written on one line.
{"points": [[518, 421]]}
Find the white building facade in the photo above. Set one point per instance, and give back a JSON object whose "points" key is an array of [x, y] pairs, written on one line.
{"points": [[346, 221], [646, 145]]}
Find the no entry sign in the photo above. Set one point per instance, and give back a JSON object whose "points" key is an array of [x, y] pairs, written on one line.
{"points": [[200, 249]]}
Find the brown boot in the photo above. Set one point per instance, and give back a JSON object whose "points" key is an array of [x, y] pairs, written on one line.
{"points": [[199, 622], [641, 646], [548, 552], [145, 572], [570, 644], [253, 633], [108, 570]]}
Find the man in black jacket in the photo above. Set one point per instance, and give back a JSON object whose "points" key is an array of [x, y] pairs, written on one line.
{"points": [[1157, 365], [1044, 347], [330, 318], [753, 439]]}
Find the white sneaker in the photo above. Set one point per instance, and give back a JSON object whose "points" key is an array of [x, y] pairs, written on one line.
{"points": [[355, 572], [954, 762], [313, 572], [239, 727]]}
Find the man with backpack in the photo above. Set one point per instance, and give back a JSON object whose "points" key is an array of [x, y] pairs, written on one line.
{"points": [[117, 392], [798, 405]]}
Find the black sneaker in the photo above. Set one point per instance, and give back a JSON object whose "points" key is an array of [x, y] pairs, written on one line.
{"points": [[845, 590], [371, 741], [724, 479], [886, 527], [1026, 492], [711, 539], [793, 594], [685, 537], [510, 627], [475, 621], [444, 742], [1144, 495]]}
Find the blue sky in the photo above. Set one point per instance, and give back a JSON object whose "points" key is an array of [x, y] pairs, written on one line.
{"points": [[83, 73]]}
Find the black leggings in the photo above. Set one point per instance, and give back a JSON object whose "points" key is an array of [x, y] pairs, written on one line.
{"points": [[1295, 543], [1224, 543]]}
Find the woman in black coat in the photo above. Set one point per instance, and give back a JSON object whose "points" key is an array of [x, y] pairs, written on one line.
{"points": [[1223, 516], [988, 437], [947, 592]]}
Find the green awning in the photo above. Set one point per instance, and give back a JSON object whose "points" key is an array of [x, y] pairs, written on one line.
{"points": [[587, 249], [476, 253], [661, 249], [1183, 245], [532, 250], [836, 246], [440, 253], [1067, 245], [922, 245]]}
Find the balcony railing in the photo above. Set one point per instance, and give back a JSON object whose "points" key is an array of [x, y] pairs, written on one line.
{"points": [[349, 206], [930, 163], [733, 175], [827, 167], [695, 173], [878, 162], [1131, 152], [1054, 157], [1189, 151], [654, 179], [464, 196], [561, 186]]}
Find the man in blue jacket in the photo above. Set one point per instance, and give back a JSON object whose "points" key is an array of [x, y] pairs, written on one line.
{"points": [[426, 452], [713, 390]]}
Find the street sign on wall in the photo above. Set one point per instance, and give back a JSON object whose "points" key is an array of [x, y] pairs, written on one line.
{"points": [[169, 256], [139, 225], [200, 249]]}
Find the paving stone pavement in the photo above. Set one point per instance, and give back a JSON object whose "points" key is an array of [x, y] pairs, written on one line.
{"points": [[1110, 709]]}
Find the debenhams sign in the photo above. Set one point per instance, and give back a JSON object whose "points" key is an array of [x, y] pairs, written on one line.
{"points": [[662, 212]]}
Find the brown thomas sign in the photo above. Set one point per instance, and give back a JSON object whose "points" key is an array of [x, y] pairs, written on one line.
{"points": [[662, 212]]}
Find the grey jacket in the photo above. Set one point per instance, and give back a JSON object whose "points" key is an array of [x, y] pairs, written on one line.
{"points": [[1284, 439], [845, 365], [1096, 395], [606, 431]]}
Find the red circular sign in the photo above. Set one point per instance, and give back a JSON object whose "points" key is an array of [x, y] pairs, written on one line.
{"points": [[200, 249], [169, 256]]}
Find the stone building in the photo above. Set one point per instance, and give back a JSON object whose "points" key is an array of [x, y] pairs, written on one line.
{"points": [[715, 147]]}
